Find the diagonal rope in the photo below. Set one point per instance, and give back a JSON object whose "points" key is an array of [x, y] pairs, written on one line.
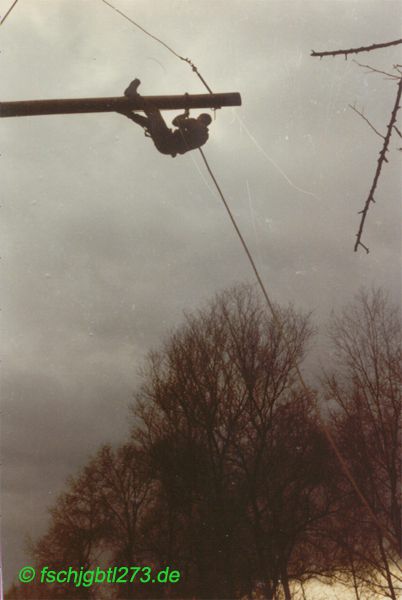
{"points": [[187, 60], [242, 240], [8, 12]]}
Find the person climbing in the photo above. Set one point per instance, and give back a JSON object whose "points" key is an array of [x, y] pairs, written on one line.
{"points": [[189, 135]]}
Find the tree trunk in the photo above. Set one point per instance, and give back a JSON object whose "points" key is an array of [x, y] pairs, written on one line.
{"points": [[386, 567], [285, 584], [355, 586]]}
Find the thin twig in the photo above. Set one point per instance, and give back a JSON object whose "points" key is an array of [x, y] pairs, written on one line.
{"points": [[367, 121], [382, 158], [397, 131], [8, 12], [374, 70], [355, 50]]}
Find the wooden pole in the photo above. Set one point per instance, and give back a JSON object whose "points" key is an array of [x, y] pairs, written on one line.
{"points": [[26, 108]]}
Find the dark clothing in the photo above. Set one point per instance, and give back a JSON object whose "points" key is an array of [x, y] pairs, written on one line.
{"points": [[190, 133]]}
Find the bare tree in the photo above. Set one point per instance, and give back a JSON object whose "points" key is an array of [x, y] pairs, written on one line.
{"points": [[97, 522], [365, 390], [125, 490], [76, 534], [236, 446]]}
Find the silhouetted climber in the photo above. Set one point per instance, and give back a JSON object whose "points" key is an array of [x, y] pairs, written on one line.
{"points": [[190, 133]]}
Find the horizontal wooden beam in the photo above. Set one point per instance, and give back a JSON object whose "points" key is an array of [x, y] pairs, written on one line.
{"points": [[26, 108]]}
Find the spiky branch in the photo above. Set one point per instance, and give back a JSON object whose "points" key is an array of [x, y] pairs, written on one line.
{"points": [[355, 50], [381, 160]]}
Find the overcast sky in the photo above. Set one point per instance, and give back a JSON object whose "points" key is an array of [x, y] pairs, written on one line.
{"points": [[105, 242]]}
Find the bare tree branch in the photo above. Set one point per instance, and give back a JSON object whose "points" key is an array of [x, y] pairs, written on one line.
{"points": [[367, 121], [374, 70], [397, 131], [382, 158], [355, 50], [8, 12]]}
